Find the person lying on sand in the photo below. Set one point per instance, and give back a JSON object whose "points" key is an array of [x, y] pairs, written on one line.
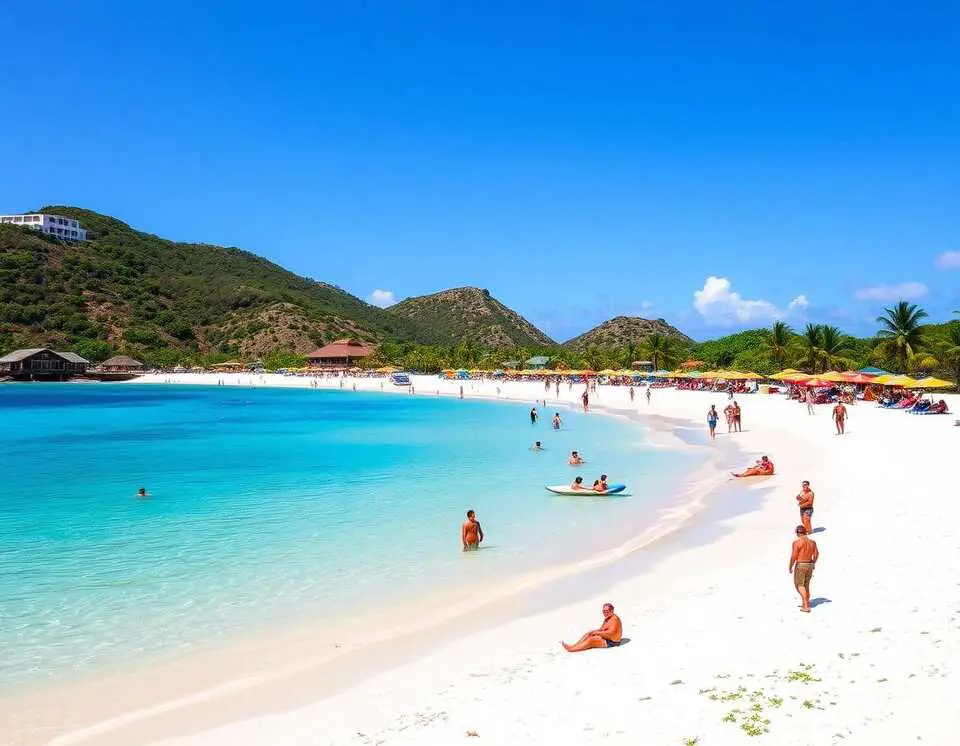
{"points": [[763, 468], [575, 459], [609, 635]]}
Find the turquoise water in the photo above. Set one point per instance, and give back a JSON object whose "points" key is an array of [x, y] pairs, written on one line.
{"points": [[267, 504]]}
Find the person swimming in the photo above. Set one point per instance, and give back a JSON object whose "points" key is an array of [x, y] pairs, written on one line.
{"points": [[536, 446], [577, 484], [575, 459], [142, 494]]}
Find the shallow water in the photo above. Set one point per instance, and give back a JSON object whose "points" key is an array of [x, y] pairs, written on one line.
{"points": [[269, 505]]}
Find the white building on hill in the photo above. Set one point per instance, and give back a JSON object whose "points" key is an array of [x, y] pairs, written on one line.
{"points": [[65, 228]]}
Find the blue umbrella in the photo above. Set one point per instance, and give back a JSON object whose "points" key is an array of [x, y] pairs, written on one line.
{"points": [[871, 371]]}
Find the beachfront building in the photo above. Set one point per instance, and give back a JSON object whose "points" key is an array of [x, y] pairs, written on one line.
{"points": [[121, 364], [40, 363], [538, 362], [53, 225], [343, 353]]}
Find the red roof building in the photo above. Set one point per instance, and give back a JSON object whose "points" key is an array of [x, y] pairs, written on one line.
{"points": [[341, 353]]}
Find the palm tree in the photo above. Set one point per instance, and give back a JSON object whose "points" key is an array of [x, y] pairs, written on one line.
{"points": [[901, 332], [661, 350], [777, 346], [810, 348], [834, 345], [949, 352]]}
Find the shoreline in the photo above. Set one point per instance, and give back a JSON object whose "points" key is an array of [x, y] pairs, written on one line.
{"points": [[405, 686], [324, 651]]}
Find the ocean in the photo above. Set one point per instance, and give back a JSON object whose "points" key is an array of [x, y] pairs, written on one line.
{"points": [[272, 505]]}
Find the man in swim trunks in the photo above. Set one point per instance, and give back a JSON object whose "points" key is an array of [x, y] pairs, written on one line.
{"points": [[471, 533], [736, 417], [803, 558], [557, 422], [839, 417], [609, 635], [574, 459], [805, 502], [533, 416], [712, 418], [577, 484], [601, 484]]}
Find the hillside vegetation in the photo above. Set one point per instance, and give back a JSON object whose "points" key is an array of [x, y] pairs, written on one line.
{"points": [[472, 315], [622, 331], [164, 301]]}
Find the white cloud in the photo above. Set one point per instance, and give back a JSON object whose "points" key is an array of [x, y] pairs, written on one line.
{"points": [[948, 260], [646, 305], [719, 305], [900, 291], [382, 298]]}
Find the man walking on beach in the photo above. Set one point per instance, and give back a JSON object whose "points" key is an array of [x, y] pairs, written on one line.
{"points": [[736, 417], [471, 533], [648, 395], [839, 416], [803, 558], [609, 635], [805, 502]]}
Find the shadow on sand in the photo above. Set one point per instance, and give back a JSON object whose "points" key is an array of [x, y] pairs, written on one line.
{"points": [[815, 602]]}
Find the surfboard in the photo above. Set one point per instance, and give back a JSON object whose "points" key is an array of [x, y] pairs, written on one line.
{"points": [[564, 489]]}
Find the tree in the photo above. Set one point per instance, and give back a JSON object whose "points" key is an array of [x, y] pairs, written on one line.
{"points": [[810, 349], [901, 334], [661, 350], [949, 352], [778, 345], [834, 346]]}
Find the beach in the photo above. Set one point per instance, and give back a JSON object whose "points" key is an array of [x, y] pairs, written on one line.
{"points": [[718, 651]]}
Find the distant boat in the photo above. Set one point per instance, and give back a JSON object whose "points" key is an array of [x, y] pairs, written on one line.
{"points": [[400, 379]]}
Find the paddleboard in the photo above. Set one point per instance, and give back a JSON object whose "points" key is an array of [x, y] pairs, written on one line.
{"points": [[564, 489]]}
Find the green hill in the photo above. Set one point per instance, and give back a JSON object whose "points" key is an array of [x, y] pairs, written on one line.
{"points": [[622, 331], [472, 315], [125, 289]]}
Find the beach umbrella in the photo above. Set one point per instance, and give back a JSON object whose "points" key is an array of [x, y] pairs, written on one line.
{"points": [[608, 372], [734, 375], [784, 375], [932, 383], [871, 371], [797, 377], [814, 383], [900, 380], [834, 377], [859, 378], [587, 373]]}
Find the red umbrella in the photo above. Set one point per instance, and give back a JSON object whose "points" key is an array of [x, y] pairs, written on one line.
{"points": [[860, 378], [814, 383]]}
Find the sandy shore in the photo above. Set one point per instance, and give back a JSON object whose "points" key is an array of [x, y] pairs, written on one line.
{"points": [[717, 647]]}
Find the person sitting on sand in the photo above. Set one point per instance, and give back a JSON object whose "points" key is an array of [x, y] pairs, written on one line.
{"points": [[471, 532], [536, 446], [609, 635], [575, 459], [577, 484], [763, 468], [803, 558], [557, 422], [601, 484]]}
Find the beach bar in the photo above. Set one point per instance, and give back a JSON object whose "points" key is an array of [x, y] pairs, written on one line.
{"points": [[42, 364], [342, 353]]}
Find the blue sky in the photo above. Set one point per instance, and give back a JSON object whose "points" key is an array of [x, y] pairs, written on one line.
{"points": [[718, 165]]}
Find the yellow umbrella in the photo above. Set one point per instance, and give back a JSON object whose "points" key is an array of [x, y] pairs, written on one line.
{"points": [[784, 374], [900, 380], [834, 377], [607, 372], [734, 375], [932, 383]]}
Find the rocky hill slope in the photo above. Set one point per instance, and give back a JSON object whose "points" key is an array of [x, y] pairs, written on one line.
{"points": [[625, 330]]}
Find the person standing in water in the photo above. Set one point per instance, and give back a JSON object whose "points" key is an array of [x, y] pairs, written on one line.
{"points": [[533, 416], [471, 533], [803, 558], [585, 399], [142, 493], [557, 422]]}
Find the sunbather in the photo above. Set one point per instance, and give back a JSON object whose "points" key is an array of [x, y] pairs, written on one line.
{"points": [[763, 468]]}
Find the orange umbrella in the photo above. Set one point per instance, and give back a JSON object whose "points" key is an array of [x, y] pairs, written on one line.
{"points": [[816, 383]]}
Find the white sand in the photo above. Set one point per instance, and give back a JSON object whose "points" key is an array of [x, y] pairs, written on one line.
{"points": [[715, 632]]}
